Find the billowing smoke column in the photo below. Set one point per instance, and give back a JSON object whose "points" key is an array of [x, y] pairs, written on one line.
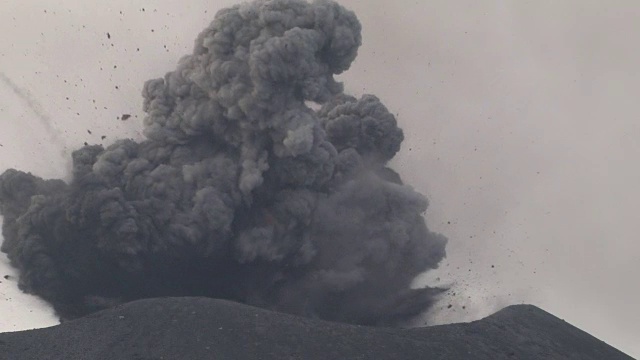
{"points": [[240, 190]]}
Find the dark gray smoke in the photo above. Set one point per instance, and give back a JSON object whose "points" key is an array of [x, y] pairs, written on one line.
{"points": [[241, 191]]}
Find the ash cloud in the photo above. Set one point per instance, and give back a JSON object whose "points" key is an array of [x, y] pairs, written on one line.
{"points": [[240, 191]]}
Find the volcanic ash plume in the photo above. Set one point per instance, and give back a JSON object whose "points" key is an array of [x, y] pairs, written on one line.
{"points": [[240, 191]]}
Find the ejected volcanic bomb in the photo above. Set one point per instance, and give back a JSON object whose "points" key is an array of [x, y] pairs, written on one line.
{"points": [[241, 190]]}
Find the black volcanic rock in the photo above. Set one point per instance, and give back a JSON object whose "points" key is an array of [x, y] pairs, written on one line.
{"points": [[202, 328]]}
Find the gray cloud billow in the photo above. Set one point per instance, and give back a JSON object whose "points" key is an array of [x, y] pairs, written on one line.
{"points": [[241, 190]]}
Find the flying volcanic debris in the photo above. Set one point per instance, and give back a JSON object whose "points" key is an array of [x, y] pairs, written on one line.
{"points": [[36, 108], [240, 191]]}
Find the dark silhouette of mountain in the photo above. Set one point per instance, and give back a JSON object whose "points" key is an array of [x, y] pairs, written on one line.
{"points": [[203, 328]]}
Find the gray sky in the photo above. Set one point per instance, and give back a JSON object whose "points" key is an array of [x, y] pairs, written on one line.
{"points": [[518, 116]]}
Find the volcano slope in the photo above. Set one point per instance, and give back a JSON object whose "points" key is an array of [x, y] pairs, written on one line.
{"points": [[203, 328]]}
